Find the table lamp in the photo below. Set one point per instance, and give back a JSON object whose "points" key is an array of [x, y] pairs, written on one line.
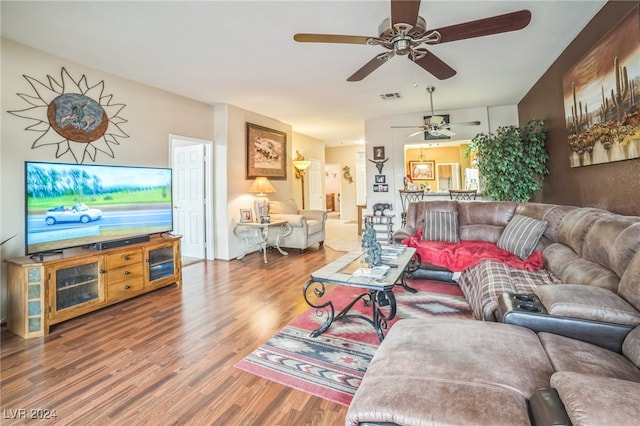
{"points": [[261, 187]]}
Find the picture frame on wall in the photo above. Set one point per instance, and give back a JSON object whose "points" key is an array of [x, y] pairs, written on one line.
{"points": [[266, 153], [381, 187], [378, 153], [246, 215], [422, 170], [381, 178]]}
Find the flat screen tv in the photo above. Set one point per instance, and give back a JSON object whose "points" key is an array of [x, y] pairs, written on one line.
{"points": [[72, 205]]}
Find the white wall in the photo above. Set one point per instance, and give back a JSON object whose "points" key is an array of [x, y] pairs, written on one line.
{"points": [[151, 114], [230, 174]]}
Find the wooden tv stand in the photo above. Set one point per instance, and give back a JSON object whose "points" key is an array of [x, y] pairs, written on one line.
{"points": [[81, 280]]}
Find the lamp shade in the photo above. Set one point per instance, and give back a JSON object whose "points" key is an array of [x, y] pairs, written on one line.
{"points": [[261, 186], [301, 164]]}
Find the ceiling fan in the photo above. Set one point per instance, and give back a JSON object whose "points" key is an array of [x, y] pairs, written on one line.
{"points": [[435, 125], [405, 32]]}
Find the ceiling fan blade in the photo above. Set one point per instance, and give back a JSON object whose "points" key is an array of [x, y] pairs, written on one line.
{"points": [[483, 27], [436, 120], [445, 132], [371, 66], [435, 66], [330, 38], [417, 133], [465, 123], [409, 127], [405, 12]]}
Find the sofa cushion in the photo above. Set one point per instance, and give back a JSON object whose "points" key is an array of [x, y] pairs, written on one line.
{"points": [[314, 226], [484, 220], [521, 235], [283, 207], [629, 288], [553, 214], [631, 346], [575, 225], [587, 302], [469, 372], [565, 263], [441, 226], [592, 400], [612, 242], [295, 220], [567, 354]]}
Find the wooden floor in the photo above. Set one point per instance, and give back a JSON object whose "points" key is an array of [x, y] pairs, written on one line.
{"points": [[167, 358]]}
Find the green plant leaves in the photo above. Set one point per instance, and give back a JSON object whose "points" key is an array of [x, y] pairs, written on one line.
{"points": [[512, 161]]}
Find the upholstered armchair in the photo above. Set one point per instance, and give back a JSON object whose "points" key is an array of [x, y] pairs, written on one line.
{"points": [[308, 226]]}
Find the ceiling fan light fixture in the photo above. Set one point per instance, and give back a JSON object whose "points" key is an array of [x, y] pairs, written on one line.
{"points": [[403, 33]]}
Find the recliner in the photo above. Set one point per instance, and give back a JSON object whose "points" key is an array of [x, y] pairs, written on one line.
{"points": [[307, 226]]}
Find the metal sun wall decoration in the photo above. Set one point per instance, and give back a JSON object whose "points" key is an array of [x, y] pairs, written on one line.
{"points": [[601, 98], [78, 119]]}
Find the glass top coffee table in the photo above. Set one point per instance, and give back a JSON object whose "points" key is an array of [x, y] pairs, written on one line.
{"points": [[377, 292]]}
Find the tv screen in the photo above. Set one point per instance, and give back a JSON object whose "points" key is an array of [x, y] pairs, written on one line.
{"points": [[70, 205]]}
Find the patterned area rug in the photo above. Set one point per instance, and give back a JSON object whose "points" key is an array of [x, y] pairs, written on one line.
{"points": [[331, 366]]}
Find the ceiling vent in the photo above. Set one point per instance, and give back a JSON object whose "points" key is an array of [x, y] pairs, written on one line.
{"points": [[389, 96]]}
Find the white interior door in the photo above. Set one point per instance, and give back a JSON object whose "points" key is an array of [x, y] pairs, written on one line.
{"points": [[316, 200], [188, 199]]}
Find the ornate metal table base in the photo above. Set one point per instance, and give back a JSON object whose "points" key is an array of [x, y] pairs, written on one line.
{"points": [[376, 299], [412, 266], [244, 230]]}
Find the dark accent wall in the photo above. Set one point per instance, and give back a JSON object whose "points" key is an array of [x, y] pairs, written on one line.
{"points": [[610, 186]]}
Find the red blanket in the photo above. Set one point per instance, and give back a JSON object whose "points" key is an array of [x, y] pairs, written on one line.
{"points": [[457, 257]]}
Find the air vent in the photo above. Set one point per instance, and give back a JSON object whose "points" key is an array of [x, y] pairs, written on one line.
{"points": [[389, 96]]}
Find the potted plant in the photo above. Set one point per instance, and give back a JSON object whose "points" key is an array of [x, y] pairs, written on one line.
{"points": [[512, 162]]}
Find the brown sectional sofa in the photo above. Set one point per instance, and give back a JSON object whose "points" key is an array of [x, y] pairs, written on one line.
{"points": [[584, 246], [567, 353]]}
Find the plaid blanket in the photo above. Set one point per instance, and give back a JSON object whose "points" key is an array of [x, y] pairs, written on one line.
{"points": [[484, 283]]}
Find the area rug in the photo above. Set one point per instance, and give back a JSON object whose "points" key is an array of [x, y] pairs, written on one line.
{"points": [[332, 365]]}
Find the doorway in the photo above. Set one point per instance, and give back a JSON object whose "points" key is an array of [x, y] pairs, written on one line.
{"points": [[333, 189], [191, 161]]}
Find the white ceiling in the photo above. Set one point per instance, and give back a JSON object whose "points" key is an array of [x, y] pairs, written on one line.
{"points": [[242, 53]]}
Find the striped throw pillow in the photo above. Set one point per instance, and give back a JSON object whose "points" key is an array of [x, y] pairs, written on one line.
{"points": [[441, 226], [521, 235]]}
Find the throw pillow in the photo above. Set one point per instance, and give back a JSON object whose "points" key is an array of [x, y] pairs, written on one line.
{"points": [[521, 235], [441, 226]]}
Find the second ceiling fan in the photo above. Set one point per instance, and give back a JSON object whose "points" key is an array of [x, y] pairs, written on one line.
{"points": [[405, 32], [435, 125]]}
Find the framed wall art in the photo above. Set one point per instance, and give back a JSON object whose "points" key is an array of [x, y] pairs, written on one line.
{"points": [[600, 92], [381, 187], [266, 153], [421, 170], [381, 178], [378, 152]]}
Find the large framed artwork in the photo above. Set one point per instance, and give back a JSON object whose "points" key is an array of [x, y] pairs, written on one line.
{"points": [[266, 153], [601, 98], [421, 170]]}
